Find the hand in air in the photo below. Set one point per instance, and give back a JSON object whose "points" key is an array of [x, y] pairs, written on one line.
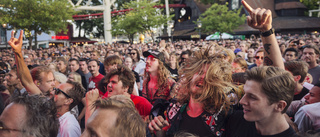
{"points": [[259, 18], [15, 43]]}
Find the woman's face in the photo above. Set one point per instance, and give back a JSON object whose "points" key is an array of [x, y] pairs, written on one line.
{"points": [[71, 77], [128, 62]]}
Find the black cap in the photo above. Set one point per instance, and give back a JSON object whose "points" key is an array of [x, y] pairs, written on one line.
{"points": [[156, 54]]}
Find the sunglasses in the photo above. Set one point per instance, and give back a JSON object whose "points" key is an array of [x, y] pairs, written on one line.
{"points": [[132, 53], [58, 91], [259, 57]]}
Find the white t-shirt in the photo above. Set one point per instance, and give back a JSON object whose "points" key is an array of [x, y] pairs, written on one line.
{"points": [[69, 126]]}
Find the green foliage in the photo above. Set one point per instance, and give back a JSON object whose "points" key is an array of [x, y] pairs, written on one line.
{"points": [[213, 1], [218, 18], [311, 5], [36, 15], [142, 18]]}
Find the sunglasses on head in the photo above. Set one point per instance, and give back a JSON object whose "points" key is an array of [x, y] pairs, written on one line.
{"points": [[257, 57], [58, 91]]}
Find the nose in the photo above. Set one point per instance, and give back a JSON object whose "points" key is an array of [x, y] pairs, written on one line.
{"points": [[242, 100], [307, 96]]}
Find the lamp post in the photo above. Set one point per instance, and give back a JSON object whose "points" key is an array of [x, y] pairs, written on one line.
{"points": [[199, 23], [5, 34], [171, 25]]}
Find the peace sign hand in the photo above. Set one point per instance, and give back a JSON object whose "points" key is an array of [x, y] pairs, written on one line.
{"points": [[259, 18], [15, 43]]}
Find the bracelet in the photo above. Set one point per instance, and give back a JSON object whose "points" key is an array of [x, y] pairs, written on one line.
{"points": [[267, 33]]}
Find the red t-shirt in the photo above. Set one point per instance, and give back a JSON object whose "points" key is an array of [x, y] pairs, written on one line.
{"points": [[94, 82], [142, 105]]}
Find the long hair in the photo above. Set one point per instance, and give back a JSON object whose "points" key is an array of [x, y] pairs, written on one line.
{"points": [[216, 84], [163, 74]]}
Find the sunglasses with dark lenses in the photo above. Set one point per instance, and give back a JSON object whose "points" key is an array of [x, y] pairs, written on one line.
{"points": [[132, 53], [257, 57], [58, 91]]}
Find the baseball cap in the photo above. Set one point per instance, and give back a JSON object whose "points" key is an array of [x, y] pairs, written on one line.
{"points": [[155, 53]]}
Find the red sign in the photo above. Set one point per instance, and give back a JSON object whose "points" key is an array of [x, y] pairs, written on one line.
{"points": [[60, 37]]}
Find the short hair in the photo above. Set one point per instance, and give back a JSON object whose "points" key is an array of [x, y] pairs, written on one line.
{"points": [[94, 61], [35, 72], [278, 84], [242, 62], [95, 51], [125, 75], [74, 59], [76, 93], [128, 121], [41, 115], [84, 59], [316, 50], [297, 68], [62, 59], [60, 77], [111, 60], [292, 50]]}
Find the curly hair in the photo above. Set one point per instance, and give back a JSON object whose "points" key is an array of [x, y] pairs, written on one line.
{"points": [[76, 93], [163, 74], [125, 75], [216, 84], [41, 115]]}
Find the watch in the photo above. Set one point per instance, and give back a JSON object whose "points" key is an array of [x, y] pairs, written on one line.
{"points": [[267, 33]]}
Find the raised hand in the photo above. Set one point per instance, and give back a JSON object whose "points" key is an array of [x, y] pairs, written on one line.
{"points": [[158, 123], [15, 43], [259, 18], [92, 96]]}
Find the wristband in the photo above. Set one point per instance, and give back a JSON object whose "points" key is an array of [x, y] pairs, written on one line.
{"points": [[267, 33]]}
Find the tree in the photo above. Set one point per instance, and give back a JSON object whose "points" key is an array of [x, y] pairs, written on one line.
{"points": [[311, 5], [213, 1], [142, 18], [37, 15], [218, 18]]}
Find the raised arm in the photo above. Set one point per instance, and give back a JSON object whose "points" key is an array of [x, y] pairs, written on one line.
{"points": [[22, 69], [261, 19]]}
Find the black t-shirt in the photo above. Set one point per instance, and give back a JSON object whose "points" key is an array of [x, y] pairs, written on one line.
{"points": [[195, 125], [237, 126], [303, 92], [136, 75]]}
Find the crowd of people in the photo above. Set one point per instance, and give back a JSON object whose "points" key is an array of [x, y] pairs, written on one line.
{"points": [[261, 86]]}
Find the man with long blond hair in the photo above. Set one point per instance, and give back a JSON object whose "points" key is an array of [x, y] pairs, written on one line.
{"points": [[201, 97], [157, 83]]}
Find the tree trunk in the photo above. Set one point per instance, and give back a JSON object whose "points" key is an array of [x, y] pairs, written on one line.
{"points": [[79, 31], [30, 42], [35, 40]]}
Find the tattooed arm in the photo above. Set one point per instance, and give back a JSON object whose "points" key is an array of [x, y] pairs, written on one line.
{"points": [[262, 19]]}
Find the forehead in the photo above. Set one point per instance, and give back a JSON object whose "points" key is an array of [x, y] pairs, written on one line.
{"points": [[308, 50], [46, 75], [13, 115], [93, 63], [290, 52], [260, 54], [114, 78], [315, 90], [253, 87], [65, 87]]}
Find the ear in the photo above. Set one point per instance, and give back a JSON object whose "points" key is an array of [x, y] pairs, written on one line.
{"points": [[297, 78], [69, 101], [126, 89], [37, 82], [280, 105]]}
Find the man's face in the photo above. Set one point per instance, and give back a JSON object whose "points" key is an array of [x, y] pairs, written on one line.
{"points": [[236, 68], [47, 82], [83, 66], [73, 66], [251, 53], [61, 66], [313, 96], [243, 47], [309, 55], [259, 59], [27, 61], [115, 86], [100, 123], [290, 55], [109, 68], [184, 57], [256, 106], [93, 68], [60, 99], [12, 78], [13, 117], [152, 64], [94, 56], [197, 81], [11, 61]]}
